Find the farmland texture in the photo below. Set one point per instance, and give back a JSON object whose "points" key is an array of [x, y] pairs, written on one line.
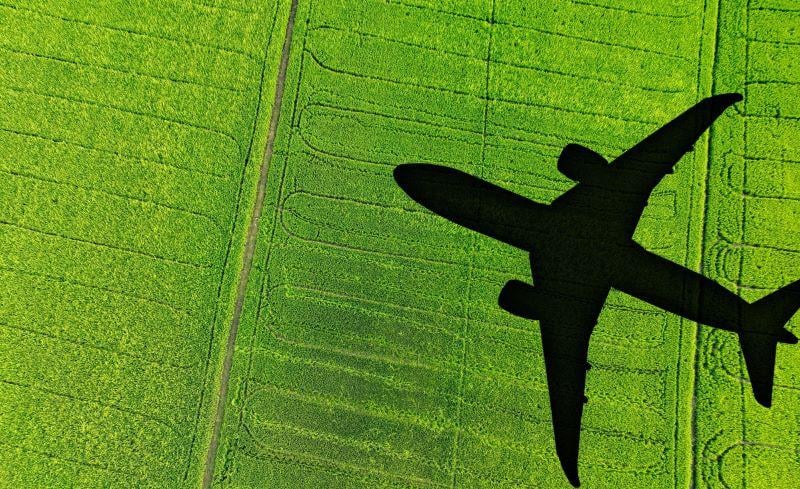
{"points": [[371, 351], [126, 131]]}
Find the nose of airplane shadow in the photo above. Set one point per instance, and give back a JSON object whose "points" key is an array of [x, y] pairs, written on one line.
{"points": [[409, 173], [405, 174], [423, 181]]}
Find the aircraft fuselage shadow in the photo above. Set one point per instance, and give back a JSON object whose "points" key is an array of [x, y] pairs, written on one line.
{"points": [[581, 245]]}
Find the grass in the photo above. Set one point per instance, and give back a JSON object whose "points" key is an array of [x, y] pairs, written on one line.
{"points": [[125, 132], [370, 351]]}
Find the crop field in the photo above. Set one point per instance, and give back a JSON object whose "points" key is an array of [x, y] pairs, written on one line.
{"points": [[366, 343], [125, 132]]}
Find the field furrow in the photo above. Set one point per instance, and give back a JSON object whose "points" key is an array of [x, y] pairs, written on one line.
{"points": [[126, 179]]}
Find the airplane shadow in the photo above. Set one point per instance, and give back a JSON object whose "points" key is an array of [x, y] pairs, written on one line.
{"points": [[581, 245]]}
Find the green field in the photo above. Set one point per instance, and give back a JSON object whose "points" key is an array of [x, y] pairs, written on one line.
{"points": [[126, 133], [370, 350]]}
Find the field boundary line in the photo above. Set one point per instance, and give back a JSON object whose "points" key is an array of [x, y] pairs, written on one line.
{"points": [[249, 251], [707, 86]]}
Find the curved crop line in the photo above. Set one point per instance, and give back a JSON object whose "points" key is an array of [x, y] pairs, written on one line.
{"points": [[544, 31], [439, 424], [110, 405], [422, 110], [634, 12], [331, 113], [482, 373], [85, 344], [314, 294], [285, 210], [439, 51], [726, 369], [388, 104], [304, 117], [384, 354], [331, 108], [330, 159], [558, 138], [182, 312], [370, 356], [443, 425], [131, 72], [227, 8], [363, 373], [489, 375], [358, 355], [118, 195], [384, 303], [118, 154], [321, 64], [320, 158], [726, 174], [387, 450], [130, 32], [327, 465], [436, 424], [425, 272], [351, 248], [318, 153], [107, 246], [486, 373], [734, 244], [719, 459], [160, 118], [138, 477], [364, 445], [385, 152]]}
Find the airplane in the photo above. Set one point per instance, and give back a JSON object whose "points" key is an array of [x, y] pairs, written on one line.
{"points": [[581, 245]]}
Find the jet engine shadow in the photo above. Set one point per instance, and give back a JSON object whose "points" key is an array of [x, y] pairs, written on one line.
{"points": [[581, 245]]}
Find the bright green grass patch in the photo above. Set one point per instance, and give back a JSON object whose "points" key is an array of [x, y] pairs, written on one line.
{"points": [[125, 134], [372, 352], [751, 246]]}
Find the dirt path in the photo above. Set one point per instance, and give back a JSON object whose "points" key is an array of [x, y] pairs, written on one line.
{"points": [[250, 246]]}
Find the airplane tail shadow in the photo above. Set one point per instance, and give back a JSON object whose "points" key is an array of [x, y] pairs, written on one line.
{"points": [[764, 327], [582, 245]]}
